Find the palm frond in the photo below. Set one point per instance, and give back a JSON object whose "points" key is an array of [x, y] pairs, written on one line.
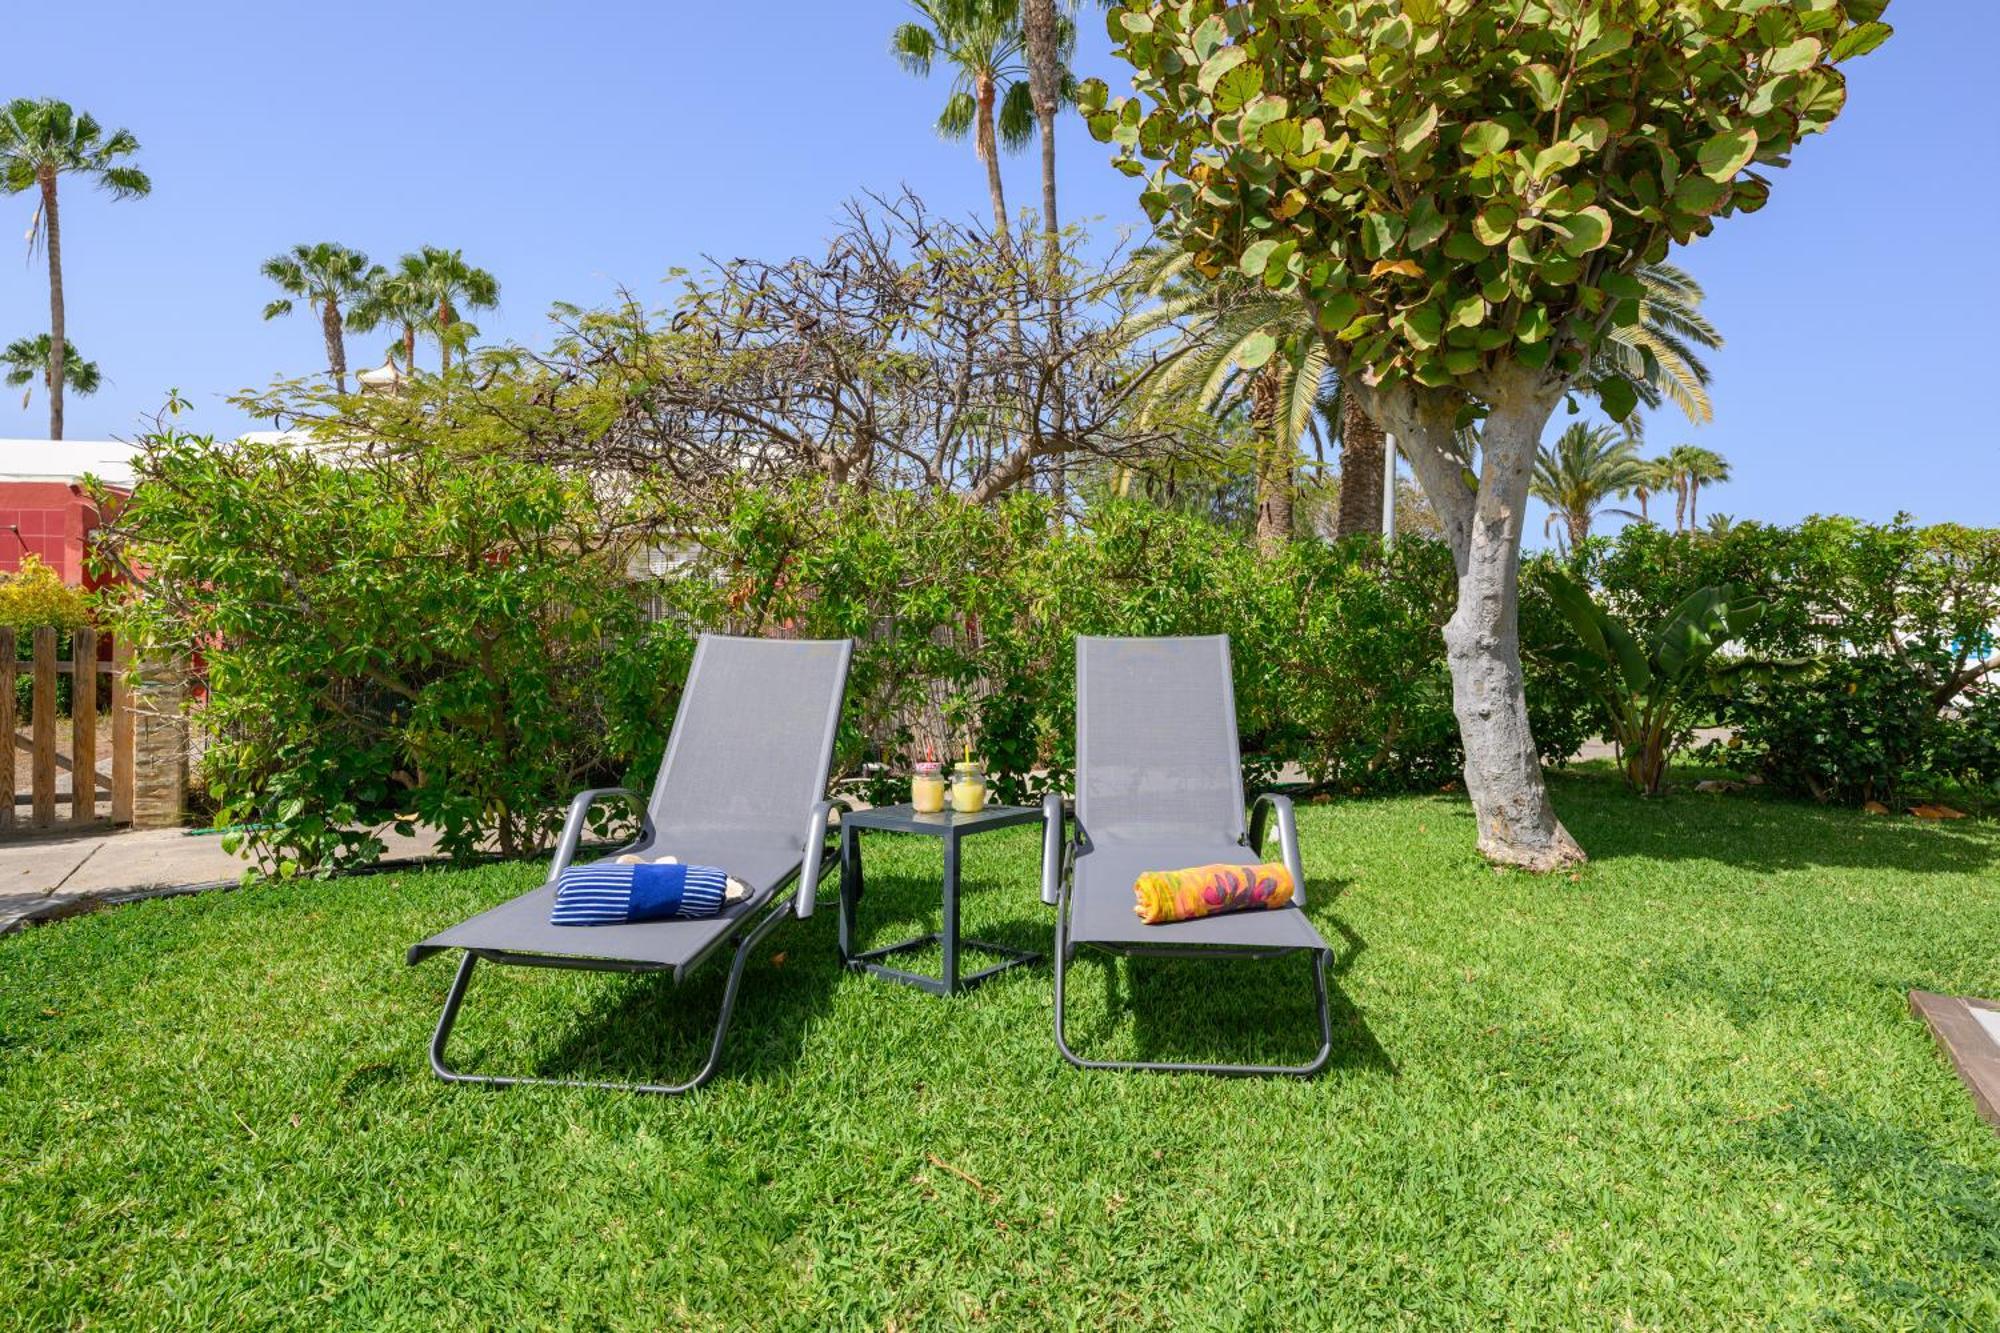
{"points": [[1017, 116]]}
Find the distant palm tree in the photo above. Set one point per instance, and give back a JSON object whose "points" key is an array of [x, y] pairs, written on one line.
{"points": [[1586, 466], [41, 141], [452, 287], [1653, 479], [430, 291], [990, 92], [1050, 40], [1689, 467], [327, 277], [1237, 345], [27, 361], [391, 301], [1660, 356]]}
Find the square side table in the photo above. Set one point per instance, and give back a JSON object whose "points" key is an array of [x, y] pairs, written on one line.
{"points": [[948, 827]]}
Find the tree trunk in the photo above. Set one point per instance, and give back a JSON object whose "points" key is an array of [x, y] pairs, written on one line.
{"points": [[1641, 493], [1038, 33], [1579, 529], [1694, 498], [989, 152], [1503, 773], [58, 334], [336, 343], [1275, 482], [1680, 506], [1362, 446], [446, 317]]}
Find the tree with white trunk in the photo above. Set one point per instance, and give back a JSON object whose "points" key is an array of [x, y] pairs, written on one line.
{"points": [[1463, 191]]}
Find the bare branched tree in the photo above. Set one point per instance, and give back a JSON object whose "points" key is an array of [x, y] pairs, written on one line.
{"points": [[891, 361]]}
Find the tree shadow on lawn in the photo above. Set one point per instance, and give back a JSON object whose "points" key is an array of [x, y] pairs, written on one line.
{"points": [[643, 1028], [1759, 832], [1227, 1010], [648, 1029]]}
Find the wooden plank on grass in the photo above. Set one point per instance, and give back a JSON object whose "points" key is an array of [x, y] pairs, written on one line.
{"points": [[83, 728], [123, 735], [9, 723], [1973, 1051], [44, 714]]}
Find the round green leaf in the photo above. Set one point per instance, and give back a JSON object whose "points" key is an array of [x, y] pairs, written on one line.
{"points": [[1618, 397], [1257, 257], [1483, 138], [1728, 153], [1255, 350], [1589, 229]]}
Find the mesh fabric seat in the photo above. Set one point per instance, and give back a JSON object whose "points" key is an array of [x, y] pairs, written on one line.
{"points": [[741, 787], [1159, 786]]}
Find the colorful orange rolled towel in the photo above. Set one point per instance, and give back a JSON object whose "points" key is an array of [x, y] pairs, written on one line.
{"points": [[1184, 895]]}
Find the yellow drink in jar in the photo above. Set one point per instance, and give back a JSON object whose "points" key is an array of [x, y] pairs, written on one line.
{"points": [[927, 789], [968, 789]]}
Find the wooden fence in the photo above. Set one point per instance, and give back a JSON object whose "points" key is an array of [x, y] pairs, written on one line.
{"points": [[85, 805]]}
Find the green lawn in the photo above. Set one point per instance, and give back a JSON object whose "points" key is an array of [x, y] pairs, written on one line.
{"points": [[1678, 1089]]}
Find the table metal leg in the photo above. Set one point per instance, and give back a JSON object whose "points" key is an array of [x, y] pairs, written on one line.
{"points": [[850, 886], [951, 913], [947, 939]]}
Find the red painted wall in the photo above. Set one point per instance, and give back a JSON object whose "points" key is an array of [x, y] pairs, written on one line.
{"points": [[52, 519]]}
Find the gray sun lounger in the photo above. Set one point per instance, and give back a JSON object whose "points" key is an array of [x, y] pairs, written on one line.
{"points": [[741, 787], [1159, 785]]}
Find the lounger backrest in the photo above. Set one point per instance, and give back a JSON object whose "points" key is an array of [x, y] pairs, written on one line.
{"points": [[1156, 752], [753, 740]]}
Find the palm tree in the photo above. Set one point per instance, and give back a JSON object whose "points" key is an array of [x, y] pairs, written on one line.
{"points": [[27, 360], [1586, 466], [1689, 467], [1237, 345], [1660, 356], [1050, 40], [982, 41], [429, 290], [392, 301], [325, 276], [1653, 478], [41, 141]]}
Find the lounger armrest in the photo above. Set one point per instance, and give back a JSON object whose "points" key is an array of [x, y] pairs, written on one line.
{"points": [[1052, 848], [579, 809], [817, 828], [1288, 837]]}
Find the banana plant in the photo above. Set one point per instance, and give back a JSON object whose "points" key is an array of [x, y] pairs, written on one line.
{"points": [[1649, 687]]}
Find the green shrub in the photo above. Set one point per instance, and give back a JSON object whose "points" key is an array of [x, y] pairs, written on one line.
{"points": [[1902, 616], [437, 637], [447, 634]]}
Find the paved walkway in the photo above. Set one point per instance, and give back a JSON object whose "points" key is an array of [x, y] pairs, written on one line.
{"points": [[48, 877]]}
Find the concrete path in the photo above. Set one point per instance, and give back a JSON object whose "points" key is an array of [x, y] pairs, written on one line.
{"points": [[49, 877]]}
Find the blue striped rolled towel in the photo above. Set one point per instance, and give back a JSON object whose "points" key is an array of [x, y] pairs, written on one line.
{"points": [[612, 894]]}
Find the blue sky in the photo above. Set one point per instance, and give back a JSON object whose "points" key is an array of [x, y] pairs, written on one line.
{"points": [[574, 148]]}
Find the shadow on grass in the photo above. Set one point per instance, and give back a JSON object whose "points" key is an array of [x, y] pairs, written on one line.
{"points": [[1227, 1010], [643, 1028], [1757, 831]]}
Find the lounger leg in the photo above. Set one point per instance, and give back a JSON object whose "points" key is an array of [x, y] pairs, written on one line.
{"points": [[1313, 1066], [456, 997]]}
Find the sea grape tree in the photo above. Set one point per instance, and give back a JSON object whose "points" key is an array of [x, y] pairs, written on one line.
{"points": [[1461, 191]]}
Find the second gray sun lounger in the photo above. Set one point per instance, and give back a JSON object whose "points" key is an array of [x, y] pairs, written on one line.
{"points": [[1159, 786], [741, 787]]}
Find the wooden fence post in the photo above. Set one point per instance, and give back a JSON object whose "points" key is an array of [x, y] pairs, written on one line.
{"points": [[10, 724], [159, 719], [122, 731], [83, 726], [45, 726]]}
